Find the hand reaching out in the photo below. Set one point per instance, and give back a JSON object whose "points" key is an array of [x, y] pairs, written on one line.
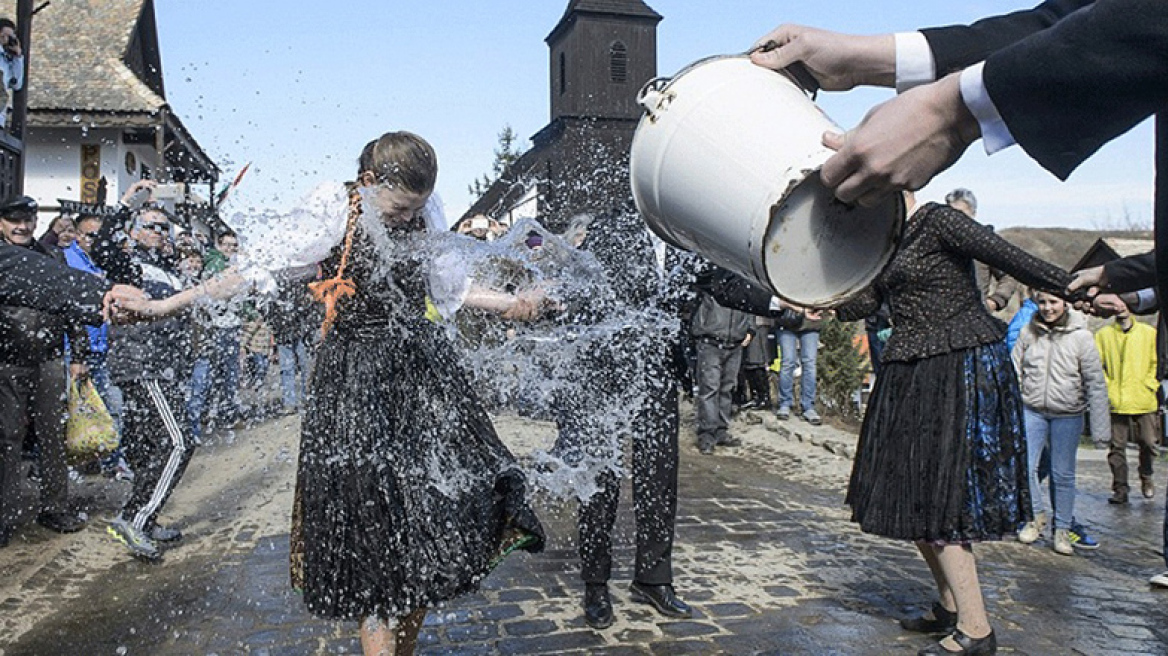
{"points": [[528, 305], [117, 298], [1089, 281], [1104, 305]]}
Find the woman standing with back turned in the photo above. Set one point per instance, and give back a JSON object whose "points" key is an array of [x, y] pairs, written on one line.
{"points": [[942, 459]]}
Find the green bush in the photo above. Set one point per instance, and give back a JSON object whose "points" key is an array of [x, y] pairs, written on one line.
{"points": [[841, 368]]}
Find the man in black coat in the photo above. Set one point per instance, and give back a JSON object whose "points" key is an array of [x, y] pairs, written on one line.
{"points": [[29, 280], [626, 390], [32, 388]]}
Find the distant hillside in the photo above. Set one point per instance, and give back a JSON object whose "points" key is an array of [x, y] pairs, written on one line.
{"points": [[1062, 246]]}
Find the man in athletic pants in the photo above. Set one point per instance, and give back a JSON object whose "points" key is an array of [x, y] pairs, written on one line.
{"points": [[151, 363]]}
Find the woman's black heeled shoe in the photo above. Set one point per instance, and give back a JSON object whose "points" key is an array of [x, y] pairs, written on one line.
{"points": [[944, 621], [987, 646]]}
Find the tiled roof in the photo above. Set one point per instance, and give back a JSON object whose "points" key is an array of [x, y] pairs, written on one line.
{"points": [[78, 48]]}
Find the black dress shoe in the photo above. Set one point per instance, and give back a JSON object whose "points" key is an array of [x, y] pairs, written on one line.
{"points": [[987, 646], [162, 533], [729, 440], [662, 598], [597, 606], [61, 522], [943, 621]]}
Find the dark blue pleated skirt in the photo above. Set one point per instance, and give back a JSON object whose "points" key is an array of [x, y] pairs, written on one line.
{"points": [[942, 453]]}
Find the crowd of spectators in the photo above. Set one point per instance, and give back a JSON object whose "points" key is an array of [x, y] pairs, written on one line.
{"points": [[147, 376]]}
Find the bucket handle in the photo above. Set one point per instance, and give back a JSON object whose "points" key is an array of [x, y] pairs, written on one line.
{"points": [[797, 72], [654, 98]]}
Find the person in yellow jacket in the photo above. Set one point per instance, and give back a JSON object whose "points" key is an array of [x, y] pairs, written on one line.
{"points": [[1128, 350]]}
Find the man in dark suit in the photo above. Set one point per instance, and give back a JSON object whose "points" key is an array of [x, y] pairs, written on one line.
{"points": [[1060, 80]]}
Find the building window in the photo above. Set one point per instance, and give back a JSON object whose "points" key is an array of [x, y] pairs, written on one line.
{"points": [[563, 73], [618, 63]]}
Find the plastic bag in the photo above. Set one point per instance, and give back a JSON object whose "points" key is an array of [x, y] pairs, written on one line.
{"points": [[90, 432]]}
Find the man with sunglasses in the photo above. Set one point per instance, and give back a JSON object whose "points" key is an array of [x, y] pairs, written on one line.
{"points": [[32, 388], [150, 363]]}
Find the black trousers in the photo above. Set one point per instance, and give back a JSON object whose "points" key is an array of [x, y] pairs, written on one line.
{"points": [[653, 428], [37, 395], [156, 446]]}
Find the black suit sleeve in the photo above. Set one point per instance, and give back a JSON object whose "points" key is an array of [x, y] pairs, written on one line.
{"points": [[1130, 274], [1067, 76], [1067, 90], [731, 290], [958, 46], [32, 280]]}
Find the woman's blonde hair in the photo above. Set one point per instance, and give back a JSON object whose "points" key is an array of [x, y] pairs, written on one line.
{"points": [[401, 159]]}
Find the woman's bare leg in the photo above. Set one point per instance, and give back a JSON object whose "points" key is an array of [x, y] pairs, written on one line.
{"points": [[407, 632], [377, 639], [960, 570], [929, 553]]}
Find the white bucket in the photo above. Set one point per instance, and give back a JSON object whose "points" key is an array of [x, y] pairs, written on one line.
{"points": [[725, 163]]}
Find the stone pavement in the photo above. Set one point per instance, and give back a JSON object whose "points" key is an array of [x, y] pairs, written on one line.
{"points": [[764, 553]]}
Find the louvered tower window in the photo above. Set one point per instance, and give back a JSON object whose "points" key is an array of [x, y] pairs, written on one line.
{"points": [[618, 63], [563, 73]]}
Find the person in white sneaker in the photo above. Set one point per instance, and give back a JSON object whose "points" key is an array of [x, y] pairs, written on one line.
{"points": [[1061, 377]]}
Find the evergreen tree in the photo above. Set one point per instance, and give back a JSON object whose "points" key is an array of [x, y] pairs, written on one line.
{"points": [[841, 367], [505, 155]]}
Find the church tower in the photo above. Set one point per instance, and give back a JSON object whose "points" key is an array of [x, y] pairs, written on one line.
{"points": [[602, 51]]}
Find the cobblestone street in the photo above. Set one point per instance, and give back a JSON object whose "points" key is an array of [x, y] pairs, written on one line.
{"points": [[764, 553]]}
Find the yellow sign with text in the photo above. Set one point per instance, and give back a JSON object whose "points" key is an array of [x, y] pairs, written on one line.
{"points": [[90, 172]]}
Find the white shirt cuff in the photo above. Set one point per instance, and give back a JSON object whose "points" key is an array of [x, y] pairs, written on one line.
{"points": [[994, 133], [914, 61]]}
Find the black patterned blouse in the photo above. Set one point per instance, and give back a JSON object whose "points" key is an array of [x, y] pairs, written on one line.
{"points": [[931, 287]]}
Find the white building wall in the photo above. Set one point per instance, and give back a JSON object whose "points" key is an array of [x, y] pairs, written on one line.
{"points": [[53, 165]]}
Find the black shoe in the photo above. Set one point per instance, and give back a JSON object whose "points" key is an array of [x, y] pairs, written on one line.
{"points": [[1118, 499], [706, 449], [662, 598], [162, 533], [943, 621], [597, 606], [729, 440], [987, 646], [61, 522]]}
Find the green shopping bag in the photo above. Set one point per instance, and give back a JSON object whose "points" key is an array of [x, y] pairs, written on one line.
{"points": [[90, 431]]}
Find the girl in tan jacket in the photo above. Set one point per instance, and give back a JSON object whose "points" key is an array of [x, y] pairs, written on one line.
{"points": [[1061, 377]]}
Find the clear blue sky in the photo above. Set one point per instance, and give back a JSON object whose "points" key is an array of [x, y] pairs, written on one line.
{"points": [[298, 88]]}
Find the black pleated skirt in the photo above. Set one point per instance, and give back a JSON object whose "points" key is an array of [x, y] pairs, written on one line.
{"points": [[942, 453], [405, 493]]}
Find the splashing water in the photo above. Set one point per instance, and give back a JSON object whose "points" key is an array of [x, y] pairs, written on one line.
{"points": [[587, 364]]}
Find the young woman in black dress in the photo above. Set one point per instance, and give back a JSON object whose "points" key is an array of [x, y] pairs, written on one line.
{"points": [[405, 495], [942, 458]]}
